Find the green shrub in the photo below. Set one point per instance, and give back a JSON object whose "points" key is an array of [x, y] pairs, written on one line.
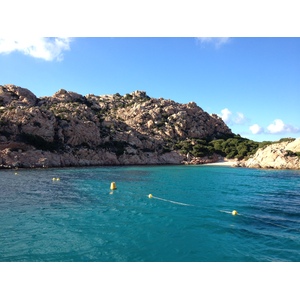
{"points": [[291, 153], [286, 140], [232, 147], [128, 97]]}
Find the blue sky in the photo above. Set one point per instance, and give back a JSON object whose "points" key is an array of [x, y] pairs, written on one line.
{"points": [[253, 83]]}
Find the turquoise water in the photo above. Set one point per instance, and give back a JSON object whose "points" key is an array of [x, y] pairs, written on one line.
{"points": [[79, 219]]}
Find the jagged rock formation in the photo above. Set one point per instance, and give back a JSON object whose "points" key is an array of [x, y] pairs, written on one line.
{"points": [[277, 156], [68, 129]]}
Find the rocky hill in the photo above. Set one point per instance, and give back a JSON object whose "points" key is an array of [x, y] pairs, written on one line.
{"points": [[69, 129], [284, 155]]}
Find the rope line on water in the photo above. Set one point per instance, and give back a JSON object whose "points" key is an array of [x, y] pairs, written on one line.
{"points": [[162, 199], [225, 211], [234, 212]]}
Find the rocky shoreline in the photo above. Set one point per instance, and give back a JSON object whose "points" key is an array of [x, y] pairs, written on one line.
{"points": [[72, 130], [69, 129], [44, 159], [284, 155]]}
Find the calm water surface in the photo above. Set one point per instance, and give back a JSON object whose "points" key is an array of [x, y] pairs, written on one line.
{"points": [[79, 219]]}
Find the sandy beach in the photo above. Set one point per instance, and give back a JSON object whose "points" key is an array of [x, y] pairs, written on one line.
{"points": [[229, 163]]}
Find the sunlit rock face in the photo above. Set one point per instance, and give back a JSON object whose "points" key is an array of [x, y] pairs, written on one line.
{"points": [[277, 156], [69, 129]]}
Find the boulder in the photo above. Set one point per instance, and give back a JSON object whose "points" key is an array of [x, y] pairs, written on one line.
{"points": [[276, 156]]}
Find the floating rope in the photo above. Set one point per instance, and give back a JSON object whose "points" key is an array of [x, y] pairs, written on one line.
{"points": [[179, 203]]}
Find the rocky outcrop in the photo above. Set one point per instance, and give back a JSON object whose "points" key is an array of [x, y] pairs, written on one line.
{"points": [[192, 160], [69, 129], [277, 156]]}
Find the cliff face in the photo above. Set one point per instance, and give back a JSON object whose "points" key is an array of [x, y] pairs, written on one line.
{"points": [[277, 156], [69, 129]]}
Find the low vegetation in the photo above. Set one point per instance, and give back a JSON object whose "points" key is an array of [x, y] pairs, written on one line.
{"points": [[233, 147]]}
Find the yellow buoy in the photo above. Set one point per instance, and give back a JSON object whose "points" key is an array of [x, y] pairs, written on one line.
{"points": [[57, 179], [16, 173], [234, 212], [53, 178], [113, 186], [150, 196]]}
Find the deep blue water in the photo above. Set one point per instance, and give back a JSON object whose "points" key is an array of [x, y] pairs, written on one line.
{"points": [[80, 219]]}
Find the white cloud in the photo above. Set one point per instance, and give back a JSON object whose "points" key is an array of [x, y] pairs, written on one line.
{"points": [[256, 129], [216, 41], [225, 114], [45, 48], [240, 118], [233, 118], [278, 126]]}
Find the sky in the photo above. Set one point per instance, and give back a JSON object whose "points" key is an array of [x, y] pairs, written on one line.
{"points": [[252, 83]]}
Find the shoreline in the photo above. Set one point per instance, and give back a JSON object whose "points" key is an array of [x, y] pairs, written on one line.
{"points": [[232, 164], [221, 163], [218, 163], [229, 163]]}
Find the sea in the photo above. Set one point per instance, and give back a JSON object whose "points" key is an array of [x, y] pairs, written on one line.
{"points": [[155, 214]]}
